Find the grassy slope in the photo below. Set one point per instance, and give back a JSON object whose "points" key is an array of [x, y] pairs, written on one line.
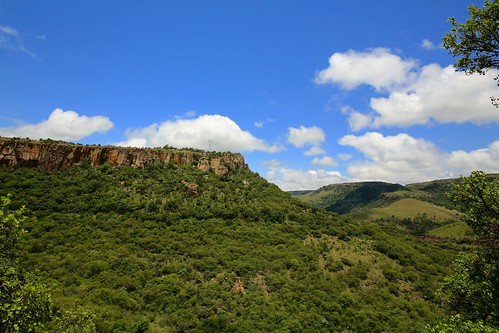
{"points": [[457, 230], [407, 208]]}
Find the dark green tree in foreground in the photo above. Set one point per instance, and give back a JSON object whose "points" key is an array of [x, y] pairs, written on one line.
{"points": [[25, 302], [472, 292], [475, 43], [478, 195]]}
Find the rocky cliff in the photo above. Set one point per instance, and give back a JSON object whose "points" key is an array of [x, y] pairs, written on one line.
{"points": [[54, 155]]}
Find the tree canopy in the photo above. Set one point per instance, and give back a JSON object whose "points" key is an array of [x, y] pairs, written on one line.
{"points": [[478, 195], [475, 43], [471, 293], [25, 301]]}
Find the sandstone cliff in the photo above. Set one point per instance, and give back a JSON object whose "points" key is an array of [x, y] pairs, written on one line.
{"points": [[54, 155]]}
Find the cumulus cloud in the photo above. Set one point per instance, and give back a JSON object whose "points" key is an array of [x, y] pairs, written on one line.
{"points": [[358, 120], [403, 159], [377, 67], [486, 159], [439, 94], [314, 150], [296, 179], [415, 95], [208, 132], [325, 160], [61, 125], [302, 136], [11, 40]]}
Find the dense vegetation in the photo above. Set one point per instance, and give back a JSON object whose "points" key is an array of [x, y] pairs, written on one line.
{"points": [[172, 249], [471, 293]]}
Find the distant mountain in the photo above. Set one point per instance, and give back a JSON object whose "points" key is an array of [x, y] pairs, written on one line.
{"points": [[345, 198], [421, 208]]}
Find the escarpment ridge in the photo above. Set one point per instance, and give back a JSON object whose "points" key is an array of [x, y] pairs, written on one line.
{"points": [[54, 155]]}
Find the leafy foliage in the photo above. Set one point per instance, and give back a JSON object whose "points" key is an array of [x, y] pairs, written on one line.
{"points": [[456, 324], [472, 291], [475, 43], [170, 249], [479, 197], [25, 303]]}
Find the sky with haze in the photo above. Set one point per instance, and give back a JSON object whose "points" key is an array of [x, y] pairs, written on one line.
{"points": [[309, 92]]}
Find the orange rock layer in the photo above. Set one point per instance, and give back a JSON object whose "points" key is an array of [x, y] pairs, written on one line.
{"points": [[54, 155]]}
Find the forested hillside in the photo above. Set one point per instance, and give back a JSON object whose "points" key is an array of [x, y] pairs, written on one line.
{"points": [[171, 248]]}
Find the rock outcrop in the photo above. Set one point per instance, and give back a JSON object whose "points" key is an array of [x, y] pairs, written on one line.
{"points": [[54, 155]]}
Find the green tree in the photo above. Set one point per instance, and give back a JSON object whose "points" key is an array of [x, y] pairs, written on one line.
{"points": [[472, 291], [25, 303], [456, 324], [478, 195], [475, 43]]}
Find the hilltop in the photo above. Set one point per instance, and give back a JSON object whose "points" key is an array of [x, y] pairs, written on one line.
{"points": [[348, 198], [170, 247], [54, 155]]}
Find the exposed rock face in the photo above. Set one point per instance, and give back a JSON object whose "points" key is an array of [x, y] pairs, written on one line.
{"points": [[54, 155]]}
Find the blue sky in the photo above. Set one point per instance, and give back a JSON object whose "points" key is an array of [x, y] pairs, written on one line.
{"points": [[310, 92]]}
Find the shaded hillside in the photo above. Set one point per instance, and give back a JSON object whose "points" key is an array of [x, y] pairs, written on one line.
{"points": [[347, 197], [436, 191], [171, 248], [350, 197]]}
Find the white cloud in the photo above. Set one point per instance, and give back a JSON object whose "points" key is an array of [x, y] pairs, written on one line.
{"points": [[404, 159], [427, 44], [358, 121], [485, 159], [297, 179], [377, 67], [415, 95], [325, 160], [344, 157], [399, 158], [11, 40], [302, 136], [208, 132], [315, 150], [439, 94], [61, 125]]}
